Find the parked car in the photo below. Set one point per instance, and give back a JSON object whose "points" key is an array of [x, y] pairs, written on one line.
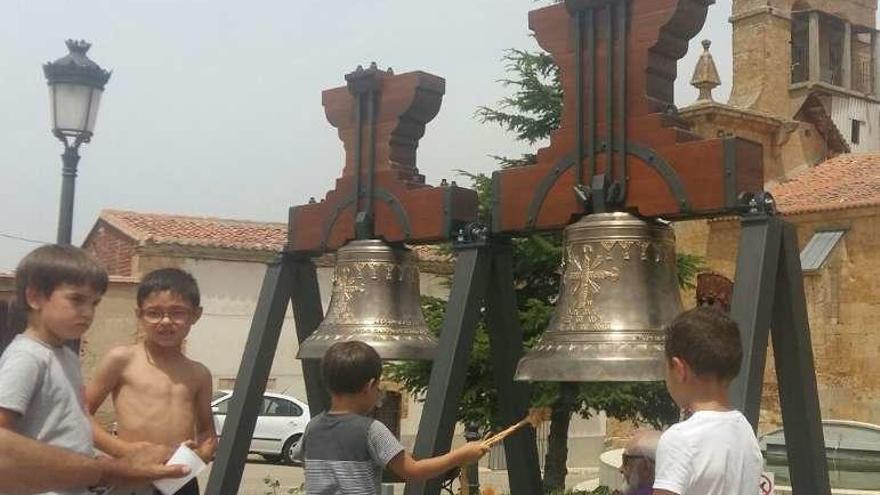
{"points": [[281, 422]]}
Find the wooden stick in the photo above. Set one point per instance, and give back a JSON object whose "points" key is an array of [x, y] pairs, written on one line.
{"points": [[533, 419]]}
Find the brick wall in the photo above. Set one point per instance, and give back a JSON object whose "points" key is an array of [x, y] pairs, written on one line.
{"points": [[115, 250]]}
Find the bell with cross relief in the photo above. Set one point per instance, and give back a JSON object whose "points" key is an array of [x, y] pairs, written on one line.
{"points": [[619, 288]]}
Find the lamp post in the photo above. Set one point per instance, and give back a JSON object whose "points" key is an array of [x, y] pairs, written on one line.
{"points": [[75, 87]]}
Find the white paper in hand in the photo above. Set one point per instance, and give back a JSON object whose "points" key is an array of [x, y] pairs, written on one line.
{"points": [[184, 455]]}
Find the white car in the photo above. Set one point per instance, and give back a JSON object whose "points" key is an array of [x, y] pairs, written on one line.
{"points": [[281, 422]]}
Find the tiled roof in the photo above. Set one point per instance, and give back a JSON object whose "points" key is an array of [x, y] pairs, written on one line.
{"points": [[846, 181], [155, 228]]}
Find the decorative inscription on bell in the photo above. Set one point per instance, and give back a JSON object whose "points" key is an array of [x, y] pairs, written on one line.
{"points": [[619, 288], [375, 299], [352, 280]]}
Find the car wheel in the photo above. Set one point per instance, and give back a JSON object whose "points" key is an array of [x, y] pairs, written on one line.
{"points": [[287, 452]]}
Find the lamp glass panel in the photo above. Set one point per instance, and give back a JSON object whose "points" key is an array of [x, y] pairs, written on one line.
{"points": [[70, 106]]}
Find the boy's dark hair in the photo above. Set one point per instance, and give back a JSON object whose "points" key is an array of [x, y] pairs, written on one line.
{"points": [[707, 340], [49, 266], [172, 280], [348, 366]]}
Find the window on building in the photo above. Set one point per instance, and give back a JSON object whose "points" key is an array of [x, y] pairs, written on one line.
{"points": [[863, 61], [831, 39], [855, 133], [800, 42], [817, 250]]}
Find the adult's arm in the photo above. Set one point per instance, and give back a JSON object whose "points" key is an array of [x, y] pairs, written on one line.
{"points": [[28, 466]]}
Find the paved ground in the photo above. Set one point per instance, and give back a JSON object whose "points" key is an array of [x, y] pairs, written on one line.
{"points": [[257, 470]]}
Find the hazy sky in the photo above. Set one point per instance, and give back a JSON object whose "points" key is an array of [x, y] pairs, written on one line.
{"points": [[214, 107]]}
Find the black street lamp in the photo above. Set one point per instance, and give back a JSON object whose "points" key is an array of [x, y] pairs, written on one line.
{"points": [[75, 87]]}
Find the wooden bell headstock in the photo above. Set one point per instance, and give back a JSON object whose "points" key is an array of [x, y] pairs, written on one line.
{"points": [[380, 118], [617, 60]]}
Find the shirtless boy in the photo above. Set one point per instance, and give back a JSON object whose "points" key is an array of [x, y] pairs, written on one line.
{"points": [[160, 396]]}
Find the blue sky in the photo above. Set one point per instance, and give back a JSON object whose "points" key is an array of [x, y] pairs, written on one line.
{"points": [[214, 107]]}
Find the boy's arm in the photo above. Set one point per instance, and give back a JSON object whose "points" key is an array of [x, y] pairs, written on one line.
{"points": [[206, 436], [387, 451], [106, 379], [404, 466]]}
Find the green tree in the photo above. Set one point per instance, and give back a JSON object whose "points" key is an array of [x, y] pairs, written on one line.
{"points": [[531, 113]]}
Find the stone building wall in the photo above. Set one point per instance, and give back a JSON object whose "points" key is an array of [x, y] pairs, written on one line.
{"points": [[842, 304]]}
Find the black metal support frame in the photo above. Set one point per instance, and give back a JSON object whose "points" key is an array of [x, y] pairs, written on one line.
{"points": [[768, 300], [483, 276], [289, 278]]}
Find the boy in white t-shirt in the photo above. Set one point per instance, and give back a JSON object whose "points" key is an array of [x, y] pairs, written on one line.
{"points": [[713, 452]]}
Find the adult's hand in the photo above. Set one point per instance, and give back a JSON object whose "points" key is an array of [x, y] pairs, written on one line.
{"points": [[141, 467]]}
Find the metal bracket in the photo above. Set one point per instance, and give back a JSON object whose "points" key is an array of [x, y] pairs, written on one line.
{"points": [[599, 193], [364, 220], [471, 235], [759, 203], [616, 192]]}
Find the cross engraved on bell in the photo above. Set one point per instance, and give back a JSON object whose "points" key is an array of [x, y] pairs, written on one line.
{"points": [[583, 276]]}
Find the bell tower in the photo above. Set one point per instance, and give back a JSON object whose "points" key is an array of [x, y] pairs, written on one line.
{"points": [[830, 50]]}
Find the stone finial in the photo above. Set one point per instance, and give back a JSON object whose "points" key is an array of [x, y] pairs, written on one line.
{"points": [[706, 74]]}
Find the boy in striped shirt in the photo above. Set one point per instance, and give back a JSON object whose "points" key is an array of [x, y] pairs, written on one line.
{"points": [[344, 451]]}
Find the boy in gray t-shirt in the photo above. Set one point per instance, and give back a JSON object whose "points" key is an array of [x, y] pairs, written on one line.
{"points": [[40, 384], [343, 450]]}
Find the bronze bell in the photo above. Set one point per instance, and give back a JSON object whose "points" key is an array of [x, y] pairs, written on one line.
{"points": [[376, 300], [619, 288]]}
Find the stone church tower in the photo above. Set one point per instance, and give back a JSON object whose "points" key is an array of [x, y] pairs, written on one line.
{"points": [[806, 83], [830, 47]]}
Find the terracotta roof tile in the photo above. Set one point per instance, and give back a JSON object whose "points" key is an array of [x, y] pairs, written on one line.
{"points": [[153, 228], [846, 181]]}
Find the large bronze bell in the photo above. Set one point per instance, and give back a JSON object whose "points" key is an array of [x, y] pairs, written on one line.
{"points": [[619, 288], [376, 300]]}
